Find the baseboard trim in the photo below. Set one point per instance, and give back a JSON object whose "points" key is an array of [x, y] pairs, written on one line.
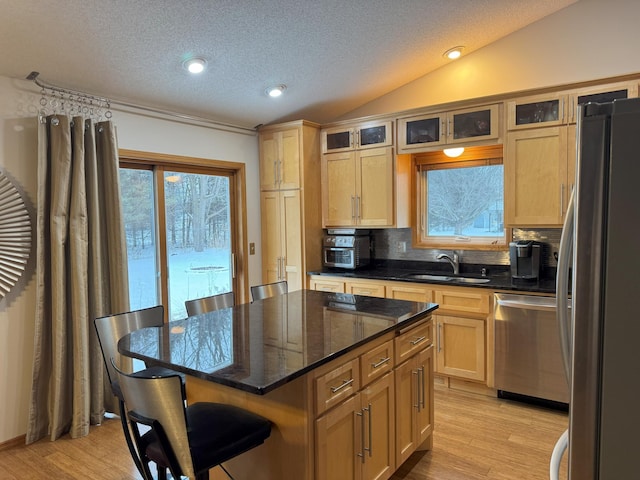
{"points": [[14, 442]]}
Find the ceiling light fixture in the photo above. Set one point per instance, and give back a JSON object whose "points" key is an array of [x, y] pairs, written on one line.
{"points": [[195, 65], [453, 152], [276, 91], [453, 53]]}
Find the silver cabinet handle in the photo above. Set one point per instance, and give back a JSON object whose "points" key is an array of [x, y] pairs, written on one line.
{"points": [[358, 207], [417, 340], [417, 404], [561, 199], [353, 208], [422, 385], [344, 384], [370, 449], [439, 337], [362, 447], [381, 362]]}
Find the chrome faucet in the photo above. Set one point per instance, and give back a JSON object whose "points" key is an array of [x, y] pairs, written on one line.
{"points": [[455, 261]]}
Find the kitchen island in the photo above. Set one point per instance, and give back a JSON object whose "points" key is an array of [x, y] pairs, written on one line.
{"points": [[346, 380]]}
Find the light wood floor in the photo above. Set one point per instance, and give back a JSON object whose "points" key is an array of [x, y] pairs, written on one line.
{"points": [[476, 437]]}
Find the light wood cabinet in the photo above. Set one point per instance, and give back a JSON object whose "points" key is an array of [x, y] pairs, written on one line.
{"points": [[325, 284], [460, 333], [355, 427], [433, 131], [357, 137], [280, 159], [362, 188], [282, 238], [460, 347], [414, 292], [364, 287], [414, 396], [291, 224], [355, 440], [539, 172], [539, 166]]}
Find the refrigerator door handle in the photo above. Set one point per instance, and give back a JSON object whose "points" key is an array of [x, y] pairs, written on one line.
{"points": [[565, 255]]}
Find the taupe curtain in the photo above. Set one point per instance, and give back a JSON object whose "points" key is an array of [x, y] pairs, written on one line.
{"points": [[81, 273]]}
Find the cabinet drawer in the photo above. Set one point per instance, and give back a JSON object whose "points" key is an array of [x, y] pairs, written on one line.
{"points": [[365, 288], [462, 301], [336, 385], [335, 286], [376, 362], [412, 341]]}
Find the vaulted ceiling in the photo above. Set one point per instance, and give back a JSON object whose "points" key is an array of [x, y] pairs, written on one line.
{"points": [[333, 55]]}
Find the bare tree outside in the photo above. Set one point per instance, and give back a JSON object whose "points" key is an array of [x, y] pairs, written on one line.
{"points": [[465, 201]]}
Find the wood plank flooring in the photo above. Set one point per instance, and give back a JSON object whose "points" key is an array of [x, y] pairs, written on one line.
{"points": [[476, 437]]}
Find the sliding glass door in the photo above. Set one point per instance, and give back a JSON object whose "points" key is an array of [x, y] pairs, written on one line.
{"points": [[179, 234]]}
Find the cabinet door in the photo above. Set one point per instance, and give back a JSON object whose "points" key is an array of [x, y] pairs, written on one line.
{"points": [[291, 239], [417, 132], [280, 160], [406, 377], [289, 168], [339, 441], [424, 415], [537, 111], [600, 93], [535, 172], [460, 346], [378, 414], [414, 403], [473, 124], [374, 134], [282, 238], [338, 189], [338, 139], [271, 230], [375, 202]]}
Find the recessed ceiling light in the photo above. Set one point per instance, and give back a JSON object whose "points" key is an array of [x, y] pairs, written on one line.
{"points": [[195, 65], [276, 91], [453, 53]]}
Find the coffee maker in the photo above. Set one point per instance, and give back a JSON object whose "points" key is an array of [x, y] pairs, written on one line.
{"points": [[525, 259]]}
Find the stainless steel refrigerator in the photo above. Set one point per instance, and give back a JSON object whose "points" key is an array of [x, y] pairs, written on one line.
{"points": [[600, 258]]}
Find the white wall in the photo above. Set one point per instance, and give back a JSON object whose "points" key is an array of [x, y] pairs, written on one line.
{"points": [[588, 40], [18, 160]]}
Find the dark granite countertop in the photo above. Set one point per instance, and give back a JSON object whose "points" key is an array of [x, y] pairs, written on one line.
{"points": [[499, 276], [259, 346]]}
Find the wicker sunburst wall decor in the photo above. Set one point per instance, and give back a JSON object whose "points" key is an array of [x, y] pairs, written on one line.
{"points": [[15, 235]]}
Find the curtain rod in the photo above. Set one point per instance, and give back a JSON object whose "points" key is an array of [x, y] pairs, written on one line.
{"points": [[33, 76]]}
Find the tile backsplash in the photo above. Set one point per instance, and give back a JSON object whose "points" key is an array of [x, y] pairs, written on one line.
{"points": [[395, 244]]}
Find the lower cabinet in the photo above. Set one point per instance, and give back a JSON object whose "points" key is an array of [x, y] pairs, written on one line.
{"points": [[355, 439], [414, 395], [368, 423], [460, 347]]}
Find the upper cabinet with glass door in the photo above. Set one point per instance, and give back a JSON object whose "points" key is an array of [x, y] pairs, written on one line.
{"points": [[357, 136], [561, 108], [420, 133]]}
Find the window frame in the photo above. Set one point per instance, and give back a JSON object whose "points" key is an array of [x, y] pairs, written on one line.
{"points": [[472, 157], [159, 163]]}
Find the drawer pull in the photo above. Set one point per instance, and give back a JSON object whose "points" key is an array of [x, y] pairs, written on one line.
{"points": [[345, 384], [418, 340], [381, 362]]}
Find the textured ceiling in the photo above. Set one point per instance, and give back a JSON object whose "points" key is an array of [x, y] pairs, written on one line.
{"points": [[333, 55]]}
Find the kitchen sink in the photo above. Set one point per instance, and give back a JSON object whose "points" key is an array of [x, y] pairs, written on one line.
{"points": [[445, 278]]}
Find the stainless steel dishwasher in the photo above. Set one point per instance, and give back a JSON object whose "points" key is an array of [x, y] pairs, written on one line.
{"points": [[528, 360]]}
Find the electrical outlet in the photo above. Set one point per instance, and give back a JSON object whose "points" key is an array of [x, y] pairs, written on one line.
{"points": [[252, 248], [401, 247]]}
